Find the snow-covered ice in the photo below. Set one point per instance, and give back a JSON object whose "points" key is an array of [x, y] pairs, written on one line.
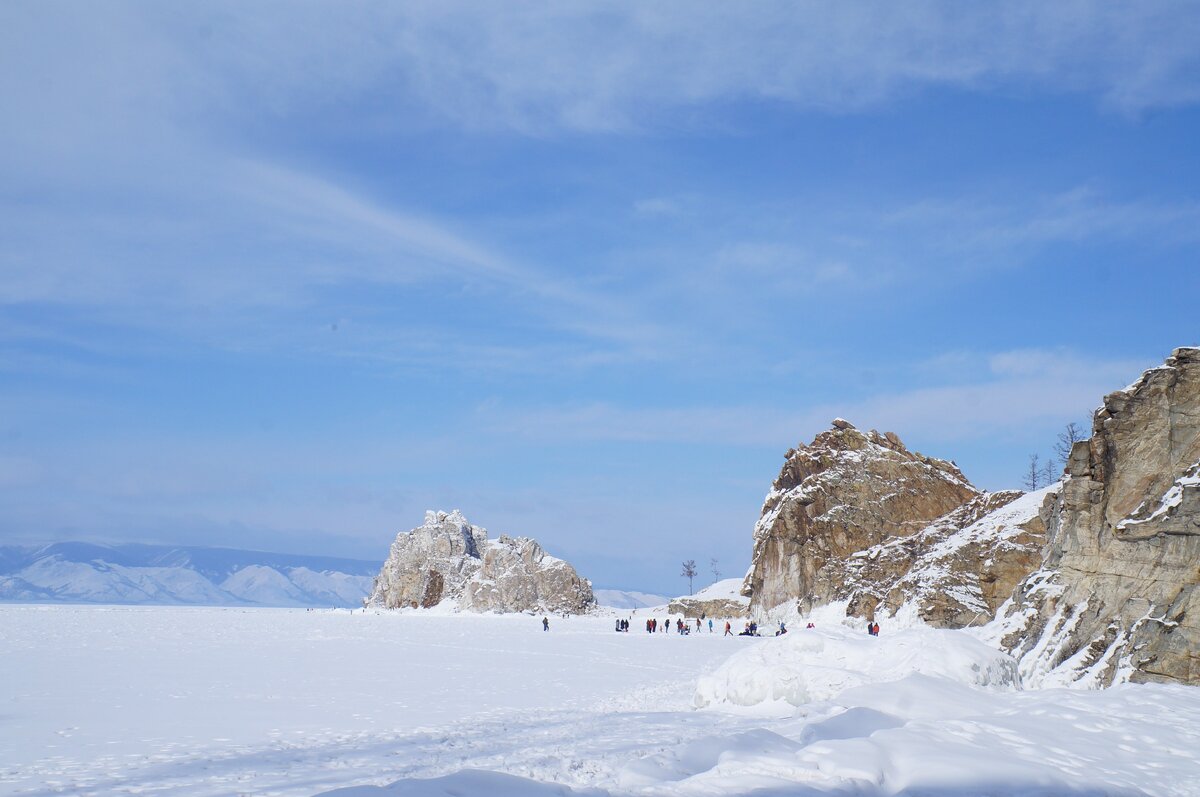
{"points": [[192, 701]]}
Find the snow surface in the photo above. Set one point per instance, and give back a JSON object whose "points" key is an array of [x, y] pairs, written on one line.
{"points": [[725, 589], [210, 701]]}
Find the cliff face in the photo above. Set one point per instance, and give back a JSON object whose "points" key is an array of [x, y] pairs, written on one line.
{"points": [[448, 559], [1117, 596], [840, 496], [959, 569]]}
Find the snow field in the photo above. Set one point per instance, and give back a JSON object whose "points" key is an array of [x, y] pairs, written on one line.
{"points": [[198, 701], [188, 701]]}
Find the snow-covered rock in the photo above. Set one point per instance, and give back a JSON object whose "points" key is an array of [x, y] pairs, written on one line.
{"points": [[1118, 595], [838, 497], [446, 559], [959, 569], [807, 665], [721, 599]]}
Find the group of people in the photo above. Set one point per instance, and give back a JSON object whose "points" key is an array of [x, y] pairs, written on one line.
{"points": [[682, 627]]}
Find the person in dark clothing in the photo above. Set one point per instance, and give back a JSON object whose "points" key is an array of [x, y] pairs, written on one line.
{"points": [[545, 623]]}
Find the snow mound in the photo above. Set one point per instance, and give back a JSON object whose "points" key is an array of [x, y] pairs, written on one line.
{"points": [[812, 664], [725, 589]]}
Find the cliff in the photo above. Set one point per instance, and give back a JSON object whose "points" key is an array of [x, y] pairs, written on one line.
{"points": [[446, 559], [1116, 597], [836, 498], [959, 569]]}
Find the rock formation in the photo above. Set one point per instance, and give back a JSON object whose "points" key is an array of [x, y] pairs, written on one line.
{"points": [[448, 559], [721, 600], [959, 569], [1117, 596], [836, 498]]}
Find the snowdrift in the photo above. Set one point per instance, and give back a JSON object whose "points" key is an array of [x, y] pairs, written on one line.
{"points": [[813, 664]]}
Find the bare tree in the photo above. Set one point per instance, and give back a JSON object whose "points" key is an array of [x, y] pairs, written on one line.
{"points": [[716, 571], [1033, 476], [689, 572], [1050, 473], [1071, 434]]}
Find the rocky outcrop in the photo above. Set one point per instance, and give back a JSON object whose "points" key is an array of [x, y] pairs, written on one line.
{"points": [[1117, 596], [447, 560], [721, 600], [958, 570], [835, 499]]}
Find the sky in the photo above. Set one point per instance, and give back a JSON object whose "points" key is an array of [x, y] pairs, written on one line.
{"points": [[283, 276]]}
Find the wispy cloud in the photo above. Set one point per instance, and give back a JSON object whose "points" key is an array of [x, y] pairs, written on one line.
{"points": [[587, 66], [1079, 214], [1009, 391]]}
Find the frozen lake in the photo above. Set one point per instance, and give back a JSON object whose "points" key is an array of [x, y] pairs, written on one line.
{"points": [[197, 701]]}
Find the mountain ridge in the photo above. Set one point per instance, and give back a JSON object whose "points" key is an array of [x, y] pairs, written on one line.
{"points": [[142, 573]]}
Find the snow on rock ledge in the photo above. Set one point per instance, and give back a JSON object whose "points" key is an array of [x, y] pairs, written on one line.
{"points": [[447, 560], [722, 599], [812, 664]]}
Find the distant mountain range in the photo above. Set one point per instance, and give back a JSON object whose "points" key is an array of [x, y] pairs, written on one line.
{"points": [[78, 572], [628, 599]]}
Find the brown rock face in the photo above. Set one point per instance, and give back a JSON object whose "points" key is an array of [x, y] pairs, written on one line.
{"points": [[1118, 596], [958, 570], [841, 495]]}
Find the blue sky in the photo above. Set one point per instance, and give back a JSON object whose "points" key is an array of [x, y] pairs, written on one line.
{"points": [[284, 276]]}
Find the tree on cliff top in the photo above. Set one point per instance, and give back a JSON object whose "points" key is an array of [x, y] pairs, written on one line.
{"points": [[1069, 436]]}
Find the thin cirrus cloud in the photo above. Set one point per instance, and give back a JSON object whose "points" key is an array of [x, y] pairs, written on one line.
{"points": [[588, 66], [1009, 391]]}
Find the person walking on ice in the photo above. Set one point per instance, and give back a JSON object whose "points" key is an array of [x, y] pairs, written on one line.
{"points": [[545, 623]]}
